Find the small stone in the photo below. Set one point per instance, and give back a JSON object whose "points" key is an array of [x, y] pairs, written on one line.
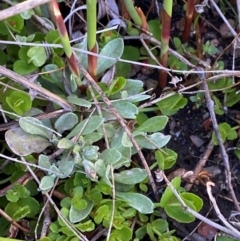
{"points": [[196, 140]]}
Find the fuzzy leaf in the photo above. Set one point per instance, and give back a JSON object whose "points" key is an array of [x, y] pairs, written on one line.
{"points": [[112, 49], [43, 161], [65, 143], [132, 176], [92, 124], [65, 168], [46, 183], [126, 109], [111, 156], [154, 124], [153, 141], [73, 99], [66, 122], [138, 201], [76, 216], [23, 144], [33, 126]]}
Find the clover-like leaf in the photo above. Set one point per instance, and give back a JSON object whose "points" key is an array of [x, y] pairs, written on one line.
{"points": [[168, 194], [37, 55], [23, 68], [116, 85], [172, 104], [19, 101], [16, 23]]}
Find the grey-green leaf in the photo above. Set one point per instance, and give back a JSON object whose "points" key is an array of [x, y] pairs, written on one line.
{"points": [[113, 49], [23, 143], [92, 124], [44, 162], [111, 156], [73, 99], [154, 124], [33, 126], [132, 176], [66, 122], [138, 201], [46, 183], [132, 87], [154, 141], [66, 168], [65, 143], [126, 109], [76, 216]]}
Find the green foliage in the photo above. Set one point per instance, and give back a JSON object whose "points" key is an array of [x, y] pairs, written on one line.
{"points": [[165, 158], [173, 207], [19, 101], [227, 133], [85, 171], [209, 48], [170, 105]]}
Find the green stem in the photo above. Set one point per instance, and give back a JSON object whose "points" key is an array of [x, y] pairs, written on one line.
{"points": [[91, 23], [132, 12]]}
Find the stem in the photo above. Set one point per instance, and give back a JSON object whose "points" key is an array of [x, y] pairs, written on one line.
{"points": [[166, 28], [188, 20], [132, 12]]}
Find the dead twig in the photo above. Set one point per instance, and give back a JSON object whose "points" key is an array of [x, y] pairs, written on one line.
{"points": [[21, 7], [210, 106], [218, 213], [32, 86], [200, 166], [123, 124], [197, 215], [9, 219]]}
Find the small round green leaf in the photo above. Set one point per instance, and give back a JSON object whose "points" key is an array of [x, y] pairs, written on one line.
{"points": [[19, 101], [23, 68], [16, 23], [66, 122], [37, 55]]}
